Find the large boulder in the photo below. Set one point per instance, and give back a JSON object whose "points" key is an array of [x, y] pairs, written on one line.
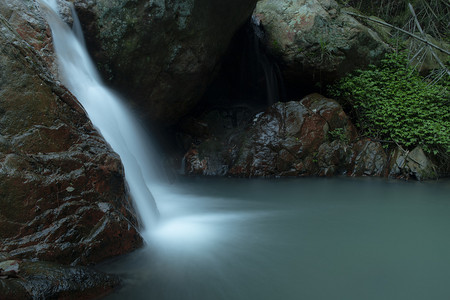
{"points": [[315, 40], [63, 197], [161, 54], [309, 137]]}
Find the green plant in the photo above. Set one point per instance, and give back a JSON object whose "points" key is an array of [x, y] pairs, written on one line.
{"points": [[339, 134], [315, 157], [324, 49], [276, 46], [393, 103]]}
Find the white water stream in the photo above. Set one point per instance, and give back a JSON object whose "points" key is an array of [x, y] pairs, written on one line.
{"points": [[228, 239], [106, 111]]}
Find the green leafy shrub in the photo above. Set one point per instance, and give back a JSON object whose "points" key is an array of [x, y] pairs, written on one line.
{"points": [[339, 134], [392, 102]]}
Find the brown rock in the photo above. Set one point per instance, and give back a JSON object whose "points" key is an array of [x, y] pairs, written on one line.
{"points": [[62, 192], [309, 137]]}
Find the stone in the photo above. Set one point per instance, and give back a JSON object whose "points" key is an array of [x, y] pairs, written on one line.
{"points": [[316, 41], [370, 159], [55, 168], [44, 280], [310, 137], [9, 269], [333, 158], [286, 139], [26, 22], [161, 54], [415, 164]]}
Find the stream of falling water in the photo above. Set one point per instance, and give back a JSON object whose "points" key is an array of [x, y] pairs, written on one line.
{"points": [[106, 111], [232, 239]]}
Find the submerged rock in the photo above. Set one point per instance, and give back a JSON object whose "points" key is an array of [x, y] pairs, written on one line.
{"points": [[62, 192], [43, 280], [161, 53], [315, 40], [309, 137]]}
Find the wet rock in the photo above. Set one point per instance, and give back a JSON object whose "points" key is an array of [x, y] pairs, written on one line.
{"points": [[9, 269], [369, 159], [161, 53], [309, 137], [285, 140], [333, 158], [214, 147], [43, 280], [25, 22], [315, 40], [62, 192], [194, 164], [415, 164]]}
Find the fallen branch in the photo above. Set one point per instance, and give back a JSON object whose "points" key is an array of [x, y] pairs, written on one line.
{"points": [[424, 36], [399, 29]]}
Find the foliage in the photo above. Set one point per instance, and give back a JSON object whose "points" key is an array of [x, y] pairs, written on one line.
{"points": [[339, 134], [394, 103]]}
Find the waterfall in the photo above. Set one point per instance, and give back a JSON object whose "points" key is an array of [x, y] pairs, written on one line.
{"points": [[106, 111], [270, 70]]}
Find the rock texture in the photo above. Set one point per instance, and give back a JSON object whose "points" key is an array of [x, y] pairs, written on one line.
{"points": [[161, 53], [315, 40], [62, 192], [298, 138], [20, 280], [412, 164]]}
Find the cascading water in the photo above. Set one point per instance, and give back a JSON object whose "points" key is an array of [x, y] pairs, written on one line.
{"points": [[106, 111], [273, 80], [289, 239]]}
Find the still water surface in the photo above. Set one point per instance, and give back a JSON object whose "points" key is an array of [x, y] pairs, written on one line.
{"points": [[309, 239]]}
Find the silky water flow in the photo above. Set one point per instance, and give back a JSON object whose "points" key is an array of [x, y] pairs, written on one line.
{"points": [[127, 138], [234, 239], [106, 110]]}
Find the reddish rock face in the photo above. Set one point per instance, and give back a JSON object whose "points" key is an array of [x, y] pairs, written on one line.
{"points": [[62, 192], [309, 137]]}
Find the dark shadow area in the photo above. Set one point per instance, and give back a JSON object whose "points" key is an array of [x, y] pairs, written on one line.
{"points": [[248, 73]]}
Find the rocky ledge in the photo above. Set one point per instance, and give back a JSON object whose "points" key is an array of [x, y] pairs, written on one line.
{"points": [[310, 137]]}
